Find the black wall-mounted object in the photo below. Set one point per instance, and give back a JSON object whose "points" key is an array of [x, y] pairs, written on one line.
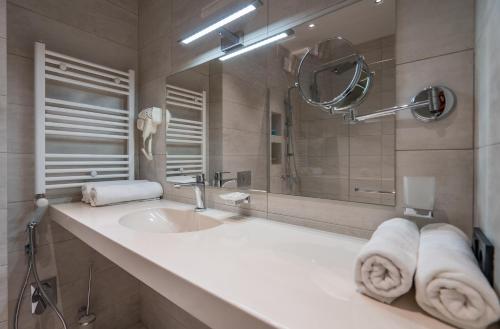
{"points": [[483, 250]]}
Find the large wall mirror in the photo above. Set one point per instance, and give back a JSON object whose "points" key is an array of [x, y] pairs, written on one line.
{"points": [[258, 115]]}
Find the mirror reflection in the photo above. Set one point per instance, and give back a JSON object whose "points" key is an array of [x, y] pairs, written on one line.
{"points": [[274, 118]]}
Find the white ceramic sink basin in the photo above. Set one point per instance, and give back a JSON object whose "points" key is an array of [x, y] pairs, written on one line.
{"points": [[164, 220]]}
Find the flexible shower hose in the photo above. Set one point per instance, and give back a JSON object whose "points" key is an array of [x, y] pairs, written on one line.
{"points": [[32, 269]]}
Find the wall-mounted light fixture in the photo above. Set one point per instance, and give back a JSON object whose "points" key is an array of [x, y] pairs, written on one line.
{"points": [[224, 21], [258, 44]]}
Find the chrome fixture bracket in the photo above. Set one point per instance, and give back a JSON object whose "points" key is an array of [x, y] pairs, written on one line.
{"points": [[229, 40], [430, 104], [38, 302]]}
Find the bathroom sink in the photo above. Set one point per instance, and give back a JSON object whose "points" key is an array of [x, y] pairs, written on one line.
{"points": [[164, 220]]}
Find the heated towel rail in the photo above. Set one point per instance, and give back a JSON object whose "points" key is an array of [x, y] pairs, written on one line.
{"points": [[65, 119], [186, 133]]}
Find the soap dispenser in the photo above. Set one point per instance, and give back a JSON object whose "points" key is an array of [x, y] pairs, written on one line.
{"points": [[419, 195]]}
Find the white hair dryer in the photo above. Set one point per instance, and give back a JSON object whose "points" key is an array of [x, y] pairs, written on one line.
{"points": [[148, 120]]}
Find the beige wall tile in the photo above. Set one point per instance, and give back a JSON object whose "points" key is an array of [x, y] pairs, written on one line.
{"points": [[453, 170], [487, 72], [243, 92], [3, 66], [3, 123], [430, 28], [153, 169], [319, 225], [19, 214], [244, 117], [99, 17], [365, 145], [154, 21], [20, 76], [158, 312], [363, 216], [3, 235], [487, 191], [152, 93], [365, 166], [287, 13], [453, 132], [237, 142], [63, 38], [130, 5], [3, 18], [154, 60], [20, 128], [3, 294], [3, 180], [20, 177], [26, 320]]}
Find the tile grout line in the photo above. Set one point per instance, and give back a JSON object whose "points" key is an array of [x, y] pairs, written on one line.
{"points": [[123, 8], [318, 221], [435, 56], [423, 150]]}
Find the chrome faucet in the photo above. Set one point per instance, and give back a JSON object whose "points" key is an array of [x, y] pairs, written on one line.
{"points": [[199, 191], [219, 180]]}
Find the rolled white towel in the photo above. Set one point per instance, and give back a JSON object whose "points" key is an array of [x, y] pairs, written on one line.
{"points": [[109, 194], [386, 264], [449, 284], [88, 186]]}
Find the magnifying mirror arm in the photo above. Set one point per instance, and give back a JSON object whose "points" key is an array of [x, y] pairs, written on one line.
{"points": [[430, 104], [391, 111]]}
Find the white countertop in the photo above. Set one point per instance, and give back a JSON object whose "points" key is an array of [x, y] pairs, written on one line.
{"points": [[247, 273]]}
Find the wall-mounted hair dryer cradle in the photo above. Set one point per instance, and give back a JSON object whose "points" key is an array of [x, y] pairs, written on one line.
{"points": [[147, 121]]}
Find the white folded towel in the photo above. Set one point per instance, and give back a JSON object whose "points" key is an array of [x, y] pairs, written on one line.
{"points": [[386, 264], [449, 283], [88, 186], [107, 194]]}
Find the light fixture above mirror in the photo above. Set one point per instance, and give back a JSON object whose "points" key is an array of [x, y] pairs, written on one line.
{"points": [[248, 8], [258, 44]]}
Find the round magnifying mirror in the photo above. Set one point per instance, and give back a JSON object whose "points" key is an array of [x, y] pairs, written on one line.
{"points": [[333, 76]]}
